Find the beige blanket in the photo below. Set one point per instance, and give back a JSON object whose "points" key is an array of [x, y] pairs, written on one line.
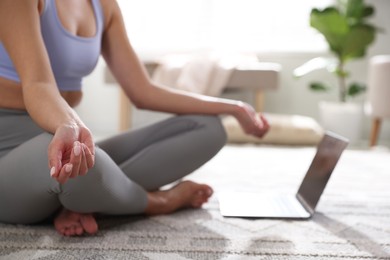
{"points": [[205, 73]]}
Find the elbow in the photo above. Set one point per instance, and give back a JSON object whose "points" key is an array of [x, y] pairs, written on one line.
{"points": [[140, 99], [139, 103]]}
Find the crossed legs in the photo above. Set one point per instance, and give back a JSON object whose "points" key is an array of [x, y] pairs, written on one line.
{"points": [[129, 170]]}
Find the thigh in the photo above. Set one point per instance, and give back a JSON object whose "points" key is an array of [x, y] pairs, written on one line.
{"points": [[104, 189], [167, 151], [27, 192], [123, 146]]}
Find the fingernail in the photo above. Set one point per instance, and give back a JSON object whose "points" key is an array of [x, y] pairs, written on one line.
{"points": [[68, 167], [52, 171], [77, 150]]}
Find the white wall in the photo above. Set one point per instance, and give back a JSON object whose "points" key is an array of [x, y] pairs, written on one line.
{"points": [[99, 108]]}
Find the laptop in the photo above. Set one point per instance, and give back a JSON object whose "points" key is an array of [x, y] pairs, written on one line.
{"points": [[290, 206]]}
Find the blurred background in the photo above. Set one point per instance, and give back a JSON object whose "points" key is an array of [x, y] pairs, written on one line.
{"points": [[275, 31]]}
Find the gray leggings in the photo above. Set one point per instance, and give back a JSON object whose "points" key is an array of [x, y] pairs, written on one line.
{"points": [[126, 166]]}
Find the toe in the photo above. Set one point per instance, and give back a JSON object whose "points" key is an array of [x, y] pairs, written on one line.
{"points": [[79, 231], [61, 231], [89, 224], [67, 232], [72, 231]]}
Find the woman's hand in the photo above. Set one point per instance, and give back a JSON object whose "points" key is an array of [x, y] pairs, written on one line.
{"points": [[71, 152], [251, 122]]}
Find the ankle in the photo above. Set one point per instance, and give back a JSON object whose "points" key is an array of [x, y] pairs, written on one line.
{"points": [[157, 203]]}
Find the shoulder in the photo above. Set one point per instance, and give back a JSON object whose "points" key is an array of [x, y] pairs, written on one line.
{"points": [[10, 5], [18, 13], [111, 10], [21, 5]]}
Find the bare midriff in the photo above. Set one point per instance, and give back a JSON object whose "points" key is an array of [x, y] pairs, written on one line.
{"points": [[11, 95]]}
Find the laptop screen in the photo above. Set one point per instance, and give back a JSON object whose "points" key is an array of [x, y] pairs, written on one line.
{"points": [[328, 153]]}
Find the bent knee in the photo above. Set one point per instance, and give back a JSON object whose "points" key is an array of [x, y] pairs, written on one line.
{"points": [[215, 132]]}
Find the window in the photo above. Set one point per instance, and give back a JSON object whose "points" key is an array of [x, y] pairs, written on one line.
{"points": [[243, 25]]}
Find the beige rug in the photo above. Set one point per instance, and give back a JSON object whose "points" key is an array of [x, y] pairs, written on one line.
{"points": [[352, 222]]}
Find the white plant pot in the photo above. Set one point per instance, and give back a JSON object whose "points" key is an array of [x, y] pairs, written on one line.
{"points": [[342, 118]]}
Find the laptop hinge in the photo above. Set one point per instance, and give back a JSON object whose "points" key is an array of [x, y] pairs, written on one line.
{"points": [[305, 204]]}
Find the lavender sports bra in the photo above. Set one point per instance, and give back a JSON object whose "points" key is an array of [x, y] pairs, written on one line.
{"points": [[71, 57]]}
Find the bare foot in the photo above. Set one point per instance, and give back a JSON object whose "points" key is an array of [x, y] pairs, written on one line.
{"points": [[70, 223], [186, 194]]}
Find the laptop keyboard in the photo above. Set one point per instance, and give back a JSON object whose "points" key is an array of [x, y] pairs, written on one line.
{"points": [[261, 205], [288, 205]]}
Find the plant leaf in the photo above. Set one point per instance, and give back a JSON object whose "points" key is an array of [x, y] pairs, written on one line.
{"points": [[356, 88], [348, 35], [368, 11], [332, 24], [318, 86], [355, 9], [357, 41]]}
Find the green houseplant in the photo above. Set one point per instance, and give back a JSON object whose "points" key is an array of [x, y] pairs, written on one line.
{"points": [[348, 34]]}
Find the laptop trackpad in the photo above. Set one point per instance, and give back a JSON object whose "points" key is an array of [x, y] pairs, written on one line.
{"points": [[260, 205]]}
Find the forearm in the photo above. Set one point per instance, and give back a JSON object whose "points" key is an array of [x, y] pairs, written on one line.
{"points": [[71, 151], [159, 98], [47, 108], [180, 102]]}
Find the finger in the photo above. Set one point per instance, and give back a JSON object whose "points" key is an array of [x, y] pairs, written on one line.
{"points": [[266, 126], [262, 123], [264, 120], [91, 146], [65, 173], [87, 139], [54, 169], [83, 162], [53, 172], [261, 129], [55, 157], [90, 158], [75, 159]]}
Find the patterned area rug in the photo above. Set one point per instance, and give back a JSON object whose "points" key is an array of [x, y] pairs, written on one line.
{"points": [[352, 219]]}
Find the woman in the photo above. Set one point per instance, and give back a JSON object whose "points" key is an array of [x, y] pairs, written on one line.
{"points": [[49, 163]]}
